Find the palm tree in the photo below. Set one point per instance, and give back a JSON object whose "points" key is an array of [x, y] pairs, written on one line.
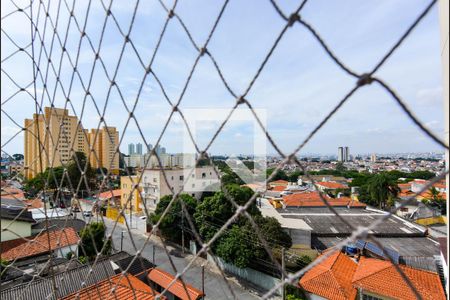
{"points": [[434, 199], [383, 190]]}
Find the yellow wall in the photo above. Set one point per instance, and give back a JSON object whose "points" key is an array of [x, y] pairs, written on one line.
{"points": [[432, 220], [126, 185], [113, 212]]}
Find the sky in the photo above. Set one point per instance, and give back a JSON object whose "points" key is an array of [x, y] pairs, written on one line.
{"points": [[297, 88]]}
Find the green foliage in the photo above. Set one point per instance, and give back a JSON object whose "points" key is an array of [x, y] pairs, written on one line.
{"points": [[235, 247], [93, 239], [70, 254], [280, 175], [436, 200], [272, 232], [173, 221], [294, 293], [293, 177], [18, 156], [383, 190], [53, 178], [218, 209], [83, 259]]}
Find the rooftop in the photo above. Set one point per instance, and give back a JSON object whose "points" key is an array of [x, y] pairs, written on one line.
{"points": [[164, 279], [117, 287], [16, 213], [38, 244], [340, 277]]}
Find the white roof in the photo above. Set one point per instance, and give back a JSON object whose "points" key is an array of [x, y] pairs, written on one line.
{"points": [[267, 210], [39, 213]]}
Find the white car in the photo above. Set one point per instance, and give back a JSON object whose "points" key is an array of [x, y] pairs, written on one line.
{"points": [[143, 217], [87, 213]]}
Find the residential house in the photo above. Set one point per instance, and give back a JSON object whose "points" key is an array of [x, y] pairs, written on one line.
{"points": [[341, 277], [57, 242], [160, 280], [15, 221], [121, 286]]}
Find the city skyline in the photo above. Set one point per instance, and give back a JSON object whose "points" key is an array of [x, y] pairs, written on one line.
{"points": [[360, 123]]}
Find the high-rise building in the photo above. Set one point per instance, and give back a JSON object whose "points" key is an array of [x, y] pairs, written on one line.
{"points": [[104, 142], [341, 154], [51, 138], [347, 154], [373, 158], [139, 148], [131, 149]]}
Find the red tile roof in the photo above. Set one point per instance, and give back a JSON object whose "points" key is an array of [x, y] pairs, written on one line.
{"points": [[312, 199], [21, 248], [119, 287], [339, 277], [331, 185], [278, 188], [110, 194], [332, 278], [279, 182], [381, 277], [163, 279], [404, 186]]}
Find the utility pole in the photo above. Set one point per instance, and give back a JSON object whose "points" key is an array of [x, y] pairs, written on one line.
{"points": [[182, 229], [203, 280], [121, 240], [283, 267], [153, 254]]}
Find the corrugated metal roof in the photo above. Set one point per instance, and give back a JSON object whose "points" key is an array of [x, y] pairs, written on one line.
{"points": [[66, 283]]}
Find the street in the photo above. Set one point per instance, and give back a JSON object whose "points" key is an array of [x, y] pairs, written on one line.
{"points": [[215, 287]]}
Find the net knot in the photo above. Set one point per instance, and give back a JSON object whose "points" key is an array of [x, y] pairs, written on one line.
{"points": [[292, 19], [364, 79], [240, 100], [171, 13]]}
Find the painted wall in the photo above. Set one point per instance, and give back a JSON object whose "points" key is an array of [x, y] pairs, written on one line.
{"points": [[22, 229]]}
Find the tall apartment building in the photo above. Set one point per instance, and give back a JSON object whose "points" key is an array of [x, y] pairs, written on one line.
{"points": [[51, 138], [104, 142], [139, 148], [131, 149], [343, 154]]}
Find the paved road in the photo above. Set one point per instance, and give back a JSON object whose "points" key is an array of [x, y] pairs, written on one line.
{"points": [[215, 287]]}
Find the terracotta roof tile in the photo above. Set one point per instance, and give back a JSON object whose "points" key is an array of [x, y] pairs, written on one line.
{"points": [[332, 278], [381, 277], [312, 199], [278, 188], [331, 185], [163, 279], [279, 182], [110, 194], [117, 287], [21, 248]]}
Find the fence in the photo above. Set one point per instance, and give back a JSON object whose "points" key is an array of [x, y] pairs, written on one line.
{"points": [[51, 52]]}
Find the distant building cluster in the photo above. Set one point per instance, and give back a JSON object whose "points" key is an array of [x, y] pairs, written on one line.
{"points": [[344, 154], [51, 139]]}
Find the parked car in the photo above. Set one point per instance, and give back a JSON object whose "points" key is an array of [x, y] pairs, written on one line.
{"points": [[87, 213]]}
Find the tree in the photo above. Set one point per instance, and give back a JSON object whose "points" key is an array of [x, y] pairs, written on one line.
{"points": [[216, 210], [172, 223], [76, 166], [383, 189], [273, 233], [18, 156], [93, 240], [235, 247], [436, 200], [340, 167], [280, 175], [293, 177]]}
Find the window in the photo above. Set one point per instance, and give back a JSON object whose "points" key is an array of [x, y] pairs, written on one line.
{"points": [[154, 179], [203, 175], [181, 177], [193, 185]]}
